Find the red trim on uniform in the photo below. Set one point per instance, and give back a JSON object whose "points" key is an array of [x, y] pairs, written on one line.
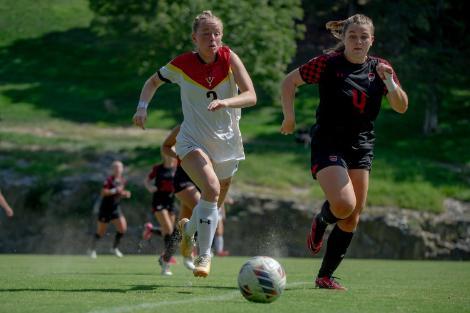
{"points": [[314, 169], [207, 75]]}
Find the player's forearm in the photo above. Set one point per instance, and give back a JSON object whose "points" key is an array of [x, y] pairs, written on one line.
{"points": [[243, 100], [287, 99], [398, 100]]}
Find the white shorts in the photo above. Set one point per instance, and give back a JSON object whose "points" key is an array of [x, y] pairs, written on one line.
{"points": [[222, 170]]}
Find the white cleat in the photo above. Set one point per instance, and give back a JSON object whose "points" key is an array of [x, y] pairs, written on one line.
{"points": [[165, 267], [188, 263], [202, 266], [116, 252], [92, 254]]}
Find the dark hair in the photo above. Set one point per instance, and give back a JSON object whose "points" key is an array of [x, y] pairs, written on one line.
{"points": [[339, 28]]}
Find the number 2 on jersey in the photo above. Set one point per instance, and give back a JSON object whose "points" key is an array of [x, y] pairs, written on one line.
{"points": [[211, 93]]}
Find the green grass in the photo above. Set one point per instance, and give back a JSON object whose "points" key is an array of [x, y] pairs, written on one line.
{"points": [[66, 91], [32, 283]]}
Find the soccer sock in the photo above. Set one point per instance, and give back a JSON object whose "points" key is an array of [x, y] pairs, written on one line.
{"points": [[338, 244], [96, 237], [117, 239], [171, 242], [219, 243], [191, 226], [157, 231], [324, 218], [206, 225]]}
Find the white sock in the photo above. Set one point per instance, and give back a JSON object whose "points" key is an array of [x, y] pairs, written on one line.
{"points": [[207, 218], [191, 225], [219, 243]]}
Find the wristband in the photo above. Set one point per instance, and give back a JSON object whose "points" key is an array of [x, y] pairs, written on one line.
{"points": [[142, 105], [113, 191], [389, 82]]}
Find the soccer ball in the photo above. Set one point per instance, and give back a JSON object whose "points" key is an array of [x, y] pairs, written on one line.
{"points": [[261, 279]]}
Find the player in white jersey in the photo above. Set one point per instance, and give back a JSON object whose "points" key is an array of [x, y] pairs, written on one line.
{"points": [[214, 86]]}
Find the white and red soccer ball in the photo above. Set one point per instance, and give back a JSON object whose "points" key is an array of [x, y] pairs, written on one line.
{"points": [[261, 279]]}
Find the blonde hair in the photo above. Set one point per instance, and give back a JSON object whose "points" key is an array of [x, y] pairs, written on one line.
{"points": [[339, 28], [205, 15]]}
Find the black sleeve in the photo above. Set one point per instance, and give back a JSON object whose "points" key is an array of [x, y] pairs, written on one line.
{"points": [[163, 78]]}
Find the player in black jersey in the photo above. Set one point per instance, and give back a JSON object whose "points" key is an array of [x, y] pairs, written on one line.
{"points": [[186, 191], [111, 193], [159, 182], [351, 85]]}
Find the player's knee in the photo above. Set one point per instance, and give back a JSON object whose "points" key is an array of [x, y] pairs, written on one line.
{"points": [[212, 190], [342, 208], [350, 224]]}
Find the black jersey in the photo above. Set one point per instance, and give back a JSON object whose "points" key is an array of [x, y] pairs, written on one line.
{"points": [[350, 98], [163, 180], [111, 201]]}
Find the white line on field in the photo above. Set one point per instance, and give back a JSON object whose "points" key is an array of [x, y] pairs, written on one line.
{"points": [[151, 305]]}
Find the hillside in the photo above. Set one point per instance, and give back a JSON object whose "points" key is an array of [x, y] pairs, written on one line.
{"points": [[67, 98]]}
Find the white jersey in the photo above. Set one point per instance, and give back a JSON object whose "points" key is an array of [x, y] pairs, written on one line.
{"points": [[217, 133]]}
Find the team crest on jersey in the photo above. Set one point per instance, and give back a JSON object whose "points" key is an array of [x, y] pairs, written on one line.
{"points": [[371, 77], [209, 80]]}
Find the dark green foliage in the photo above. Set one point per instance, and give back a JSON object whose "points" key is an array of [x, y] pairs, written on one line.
{"points": [[262, 33]]}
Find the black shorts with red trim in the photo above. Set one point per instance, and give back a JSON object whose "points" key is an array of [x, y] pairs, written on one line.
{"points": [[349, 157], [181, 180]]}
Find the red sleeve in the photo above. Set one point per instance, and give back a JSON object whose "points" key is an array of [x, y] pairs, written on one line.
{"points": [[108, 183], [312, 70], [153, 173]]}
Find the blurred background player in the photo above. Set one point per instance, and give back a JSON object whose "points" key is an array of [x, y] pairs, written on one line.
{"points": [[6, 207], [109, 211], [185, 190], [159, 182]]}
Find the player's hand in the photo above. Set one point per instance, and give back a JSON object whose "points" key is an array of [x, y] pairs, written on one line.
{"points": [[152, 189], [288, 126], [140, 117], [382, 68], [126, 194], [217, 104], [9, 212]]}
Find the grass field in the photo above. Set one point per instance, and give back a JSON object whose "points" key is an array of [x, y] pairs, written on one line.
{"points": [[36, 283]]}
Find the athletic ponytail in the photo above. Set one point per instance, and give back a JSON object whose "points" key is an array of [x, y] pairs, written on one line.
{"points": [[339, 28]]}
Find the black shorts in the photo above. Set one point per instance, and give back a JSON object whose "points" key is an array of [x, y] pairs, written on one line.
{"points": [[163, 202], [349, 157], [181, 180], [107, 214]]}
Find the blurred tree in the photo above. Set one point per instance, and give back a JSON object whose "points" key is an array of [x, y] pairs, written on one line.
{"points": [[263, 33], [427, 41]]}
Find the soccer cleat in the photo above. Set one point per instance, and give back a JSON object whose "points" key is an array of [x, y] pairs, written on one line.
{"points": [[92, 254], [315, 237], [188, 263], [202, 266], [328, 283], [187, 242], [116, 252], [165, 267], [223, 253], [147, 234]]}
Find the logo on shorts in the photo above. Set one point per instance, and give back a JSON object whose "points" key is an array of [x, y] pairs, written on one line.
{"points": [[333, 158], [371, 76], [204, 220]]}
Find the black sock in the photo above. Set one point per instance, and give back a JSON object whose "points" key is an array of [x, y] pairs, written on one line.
{"points": [[157, 231], [337, 245], [96, 237], [326, 216], [171, 241], [117, 239]]}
